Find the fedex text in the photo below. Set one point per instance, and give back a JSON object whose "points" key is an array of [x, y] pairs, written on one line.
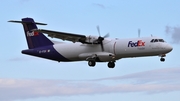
{"points": [[32, 33], [136, 44]]}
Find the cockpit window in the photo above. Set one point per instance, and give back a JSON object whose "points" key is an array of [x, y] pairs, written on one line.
{"points": [[161, 40], [152, 40], [157, 40]]}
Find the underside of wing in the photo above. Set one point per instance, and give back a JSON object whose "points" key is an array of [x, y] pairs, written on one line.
{"points": [[63, 35]]}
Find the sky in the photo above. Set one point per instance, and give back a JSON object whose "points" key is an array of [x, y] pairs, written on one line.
{"points": [[27, 78]]}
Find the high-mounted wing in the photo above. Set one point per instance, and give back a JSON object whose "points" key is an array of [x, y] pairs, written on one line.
{"points": [[63, 35]]}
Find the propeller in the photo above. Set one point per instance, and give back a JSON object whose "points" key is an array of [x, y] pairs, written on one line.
{"points": [[100, 38]]}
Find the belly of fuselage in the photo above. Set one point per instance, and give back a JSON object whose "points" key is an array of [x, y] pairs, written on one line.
{"points": [[72, 51]]}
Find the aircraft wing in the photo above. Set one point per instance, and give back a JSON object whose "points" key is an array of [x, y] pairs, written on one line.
{"points": [[63, 35]]}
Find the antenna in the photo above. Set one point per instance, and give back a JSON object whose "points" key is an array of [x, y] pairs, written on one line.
{"points": [[139, 32]]}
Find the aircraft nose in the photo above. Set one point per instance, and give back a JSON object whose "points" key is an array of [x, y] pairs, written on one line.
{"points": [[169, 48]]}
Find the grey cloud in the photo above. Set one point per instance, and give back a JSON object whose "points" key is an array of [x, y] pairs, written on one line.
{"points": [[161, 75], [22, 58], [174, 32], [23, 89], [24, 0], [19, 59], [154, 83], [99, 5]]}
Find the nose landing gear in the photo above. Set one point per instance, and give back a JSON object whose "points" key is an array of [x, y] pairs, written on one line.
{"points": [[162, 59]]}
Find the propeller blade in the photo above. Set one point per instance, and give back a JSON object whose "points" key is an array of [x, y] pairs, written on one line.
{"points": [[102, 46], [107, 35], [100, 39], [98, 31]]}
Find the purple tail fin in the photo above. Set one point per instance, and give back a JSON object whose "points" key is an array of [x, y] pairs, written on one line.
{"points": [[34, 39]]}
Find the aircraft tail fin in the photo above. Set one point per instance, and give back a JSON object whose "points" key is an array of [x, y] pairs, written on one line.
{"points": [[34, 39]]}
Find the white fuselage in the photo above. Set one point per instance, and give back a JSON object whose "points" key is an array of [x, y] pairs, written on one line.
{"points": [[114, 49]]}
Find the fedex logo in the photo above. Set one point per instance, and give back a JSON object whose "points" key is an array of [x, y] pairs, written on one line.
{"points": [[136, 44], [32, 33]]}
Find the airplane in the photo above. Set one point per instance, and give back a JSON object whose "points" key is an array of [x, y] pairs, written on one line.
{"points": [[88, 48]]}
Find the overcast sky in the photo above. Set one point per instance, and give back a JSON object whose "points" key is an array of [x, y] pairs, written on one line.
{"points": [[27, 78]]}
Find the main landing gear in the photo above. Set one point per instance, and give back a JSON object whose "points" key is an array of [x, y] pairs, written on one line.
{"points": [[92, 63], [111, 64]]}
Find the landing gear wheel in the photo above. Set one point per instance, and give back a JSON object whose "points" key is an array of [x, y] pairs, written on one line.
{"points": [[162, 59], [91, 63], [111, 64]]}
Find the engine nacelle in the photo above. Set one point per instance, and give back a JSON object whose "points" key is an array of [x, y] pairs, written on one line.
{"points": [[91, 39]]}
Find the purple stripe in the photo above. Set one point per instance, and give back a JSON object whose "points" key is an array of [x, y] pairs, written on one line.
{"points": [[47, 52]]}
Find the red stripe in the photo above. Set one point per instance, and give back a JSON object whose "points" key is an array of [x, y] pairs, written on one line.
{"points": [[36, 33]]}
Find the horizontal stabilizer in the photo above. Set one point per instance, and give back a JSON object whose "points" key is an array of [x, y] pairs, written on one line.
{"points": [[37, 23]]}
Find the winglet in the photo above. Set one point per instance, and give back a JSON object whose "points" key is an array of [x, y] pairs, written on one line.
{"points": [[37, 23]]}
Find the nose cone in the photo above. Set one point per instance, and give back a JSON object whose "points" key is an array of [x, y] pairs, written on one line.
{"points": [[169, 48]]}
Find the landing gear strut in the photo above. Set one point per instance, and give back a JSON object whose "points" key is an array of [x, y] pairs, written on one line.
{"points": [[91, 63], [111, 64], [162, 59]]}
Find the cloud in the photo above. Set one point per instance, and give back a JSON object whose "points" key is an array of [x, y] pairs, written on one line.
{"points": [[22, 58], [156, 81], [161, 75], [174, 32], [99, 5], [24, 0], [19, 59]]}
